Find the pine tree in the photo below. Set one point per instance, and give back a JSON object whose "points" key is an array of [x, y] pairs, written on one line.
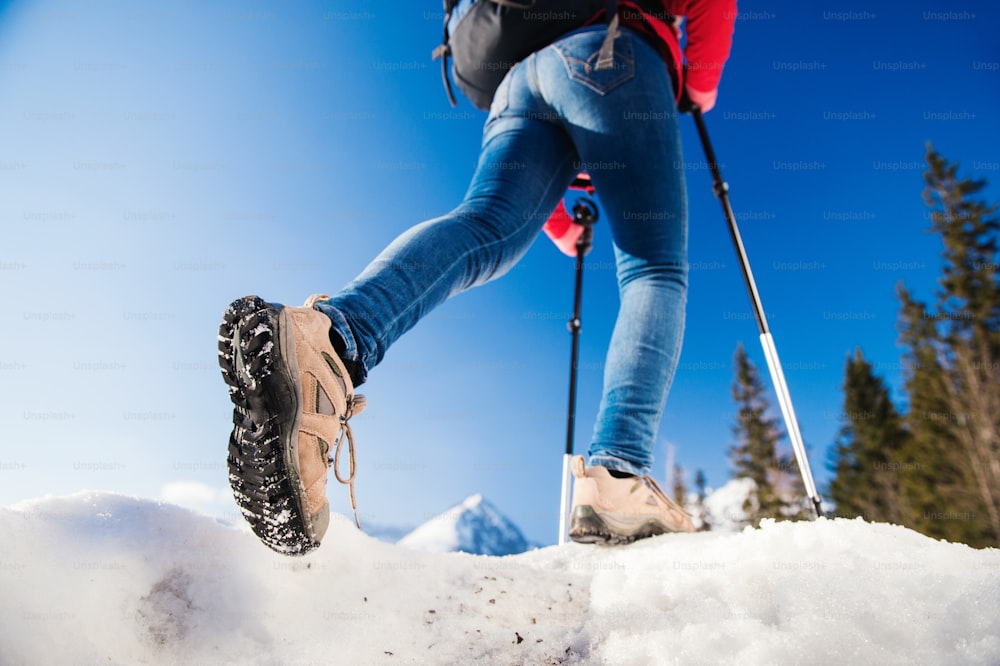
{"points": [[699, 503], [700, 483], [757, 433], [937, 478], [953, 383], [868, 457], [679, 487]]}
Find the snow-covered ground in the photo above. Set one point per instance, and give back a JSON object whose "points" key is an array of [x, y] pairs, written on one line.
{"points": [[101, 578]]}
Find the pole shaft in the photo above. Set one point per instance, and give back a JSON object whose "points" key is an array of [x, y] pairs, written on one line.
{"points": [[721, 189], [574, 328], [564, 500], [788, 412], [587, 217]]}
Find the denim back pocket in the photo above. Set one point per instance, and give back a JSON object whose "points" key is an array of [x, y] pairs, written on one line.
{"points": [[580, 63]]}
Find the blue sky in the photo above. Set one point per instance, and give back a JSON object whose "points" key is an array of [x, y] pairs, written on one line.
{"points": [[159, 160]]}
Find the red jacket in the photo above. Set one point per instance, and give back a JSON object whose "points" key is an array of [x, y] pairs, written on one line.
{"points": [[709, 27]]}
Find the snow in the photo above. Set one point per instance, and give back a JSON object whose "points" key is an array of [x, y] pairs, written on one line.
{"points": [[724, 506], [110, 579], [473, 526]]}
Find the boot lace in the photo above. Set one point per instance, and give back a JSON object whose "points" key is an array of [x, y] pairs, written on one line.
{"points": [[672, 506], [314, 299], [355, 403]]}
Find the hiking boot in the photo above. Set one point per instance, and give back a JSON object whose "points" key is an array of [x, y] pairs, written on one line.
{"points": [[292, 400], [614, 511]]}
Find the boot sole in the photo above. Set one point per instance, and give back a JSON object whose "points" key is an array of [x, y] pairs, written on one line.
{"points": [[588, 526], [265, 393]]}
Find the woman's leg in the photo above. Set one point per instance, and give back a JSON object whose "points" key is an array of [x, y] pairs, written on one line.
{"points": [[623, 122], [524, 168]]}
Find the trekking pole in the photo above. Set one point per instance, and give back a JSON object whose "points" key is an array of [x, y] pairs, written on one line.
{"points": [[721, 189], [585, 214]]}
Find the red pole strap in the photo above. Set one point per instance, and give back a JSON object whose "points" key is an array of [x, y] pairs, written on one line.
{"points": [[560, 227]]}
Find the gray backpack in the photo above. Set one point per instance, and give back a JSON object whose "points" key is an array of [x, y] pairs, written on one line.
{"points": [[485, 38]]}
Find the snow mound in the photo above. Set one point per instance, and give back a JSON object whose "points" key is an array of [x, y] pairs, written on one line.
{"points": [[474, 526], [102, 578], [724, 507]]}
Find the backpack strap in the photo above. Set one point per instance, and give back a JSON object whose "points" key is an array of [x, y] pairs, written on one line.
{"points": [[444, 50]]}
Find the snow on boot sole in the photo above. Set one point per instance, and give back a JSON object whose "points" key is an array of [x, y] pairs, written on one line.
{"points": [[588, 526], [254, 357]]}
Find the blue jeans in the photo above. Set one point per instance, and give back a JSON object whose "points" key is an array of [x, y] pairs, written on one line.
{"points": [[552, 117]]}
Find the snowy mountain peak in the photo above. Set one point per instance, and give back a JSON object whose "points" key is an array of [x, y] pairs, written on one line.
{"points": [[472, 501], [471, 526]]}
